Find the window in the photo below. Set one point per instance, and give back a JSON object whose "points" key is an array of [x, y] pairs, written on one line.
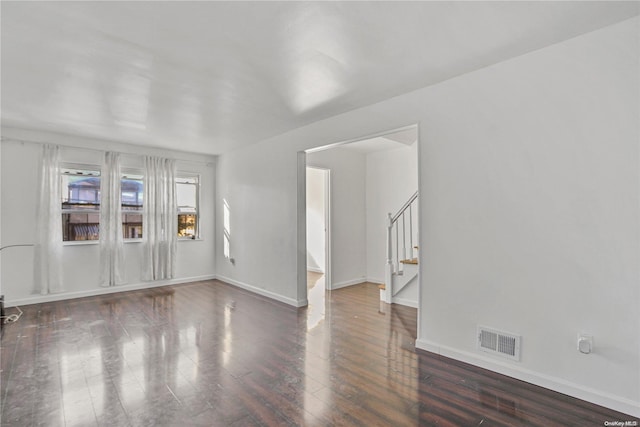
{"points": [[227, 229], [131, 188], [187, 201], [80, 204]]}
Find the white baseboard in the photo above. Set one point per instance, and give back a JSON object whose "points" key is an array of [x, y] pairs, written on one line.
{"points": [[405, 301], [608, 400], [315, 270], [348, 283], [60, 296], [264, 292], [375, 281]]}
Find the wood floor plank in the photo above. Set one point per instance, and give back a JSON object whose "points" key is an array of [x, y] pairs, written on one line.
{"points": [[207, 353]]}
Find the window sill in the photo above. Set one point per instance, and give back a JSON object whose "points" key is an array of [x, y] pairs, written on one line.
{"points": [[81, 243], [95, 242]]}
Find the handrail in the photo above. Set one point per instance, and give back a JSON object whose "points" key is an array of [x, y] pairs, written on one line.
{"points": [[404, 207], [393, 264]]}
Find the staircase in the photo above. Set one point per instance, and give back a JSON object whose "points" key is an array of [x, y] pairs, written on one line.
{"points": [[402, 262]]}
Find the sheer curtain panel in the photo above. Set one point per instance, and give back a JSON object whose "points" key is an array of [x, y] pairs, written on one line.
{"points": [[159, 222], [48, 253], [111, 237]]}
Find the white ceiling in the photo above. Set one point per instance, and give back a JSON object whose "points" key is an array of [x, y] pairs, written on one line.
{"points": [[213, 76]]}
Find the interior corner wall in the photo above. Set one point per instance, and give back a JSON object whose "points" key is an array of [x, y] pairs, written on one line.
{"points": [[392, 177], [348, 213], [195, 258], [529, 210]]}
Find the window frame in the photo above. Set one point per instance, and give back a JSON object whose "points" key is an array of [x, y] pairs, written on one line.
{"points": [[64, 170], [127, 173], [190, 175]]}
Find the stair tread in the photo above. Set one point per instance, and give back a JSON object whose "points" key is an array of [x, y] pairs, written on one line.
{"points": [[410, 261], [383, 287]]}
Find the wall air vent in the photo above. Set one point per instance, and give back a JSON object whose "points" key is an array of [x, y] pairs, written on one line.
{"points": [[500, 343]]}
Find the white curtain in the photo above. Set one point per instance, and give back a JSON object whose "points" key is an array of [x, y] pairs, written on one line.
{"points": [[111, 238], [48, 253], [160, 221]]}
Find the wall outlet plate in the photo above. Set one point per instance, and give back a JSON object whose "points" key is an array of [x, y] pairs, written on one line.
{"points": [[585, 343]]}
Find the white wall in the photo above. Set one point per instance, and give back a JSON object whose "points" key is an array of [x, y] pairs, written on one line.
{"points": [[530, 203], [348, 206], [262, 196], [392, 177], [316, 219], [195, 259], [1, 244], [529, 210], [261, 187]]}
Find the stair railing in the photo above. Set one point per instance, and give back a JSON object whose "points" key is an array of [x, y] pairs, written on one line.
{"points": [[402, 243]]}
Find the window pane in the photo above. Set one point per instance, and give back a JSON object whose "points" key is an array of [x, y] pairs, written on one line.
{"points": [[80, 226], [80, 189], [186, 197], [131, 188], [131, 192], [187, 225], [132, 225], [187, 201]]}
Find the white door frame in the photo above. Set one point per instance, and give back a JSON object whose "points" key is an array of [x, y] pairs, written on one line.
{"points": [[327, 229]]}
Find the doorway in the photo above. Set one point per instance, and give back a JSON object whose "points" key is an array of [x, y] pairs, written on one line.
{"points": [[371, 177], [318, 238]]}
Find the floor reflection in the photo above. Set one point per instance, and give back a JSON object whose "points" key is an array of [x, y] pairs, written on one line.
{"points": [[210, 354], [316, 289], [402, 360]]}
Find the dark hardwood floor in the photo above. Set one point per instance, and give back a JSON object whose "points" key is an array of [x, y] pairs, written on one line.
{"points": [[210, 354]]}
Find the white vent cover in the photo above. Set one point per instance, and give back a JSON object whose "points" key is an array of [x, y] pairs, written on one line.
{"points": [[499, 343]]}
